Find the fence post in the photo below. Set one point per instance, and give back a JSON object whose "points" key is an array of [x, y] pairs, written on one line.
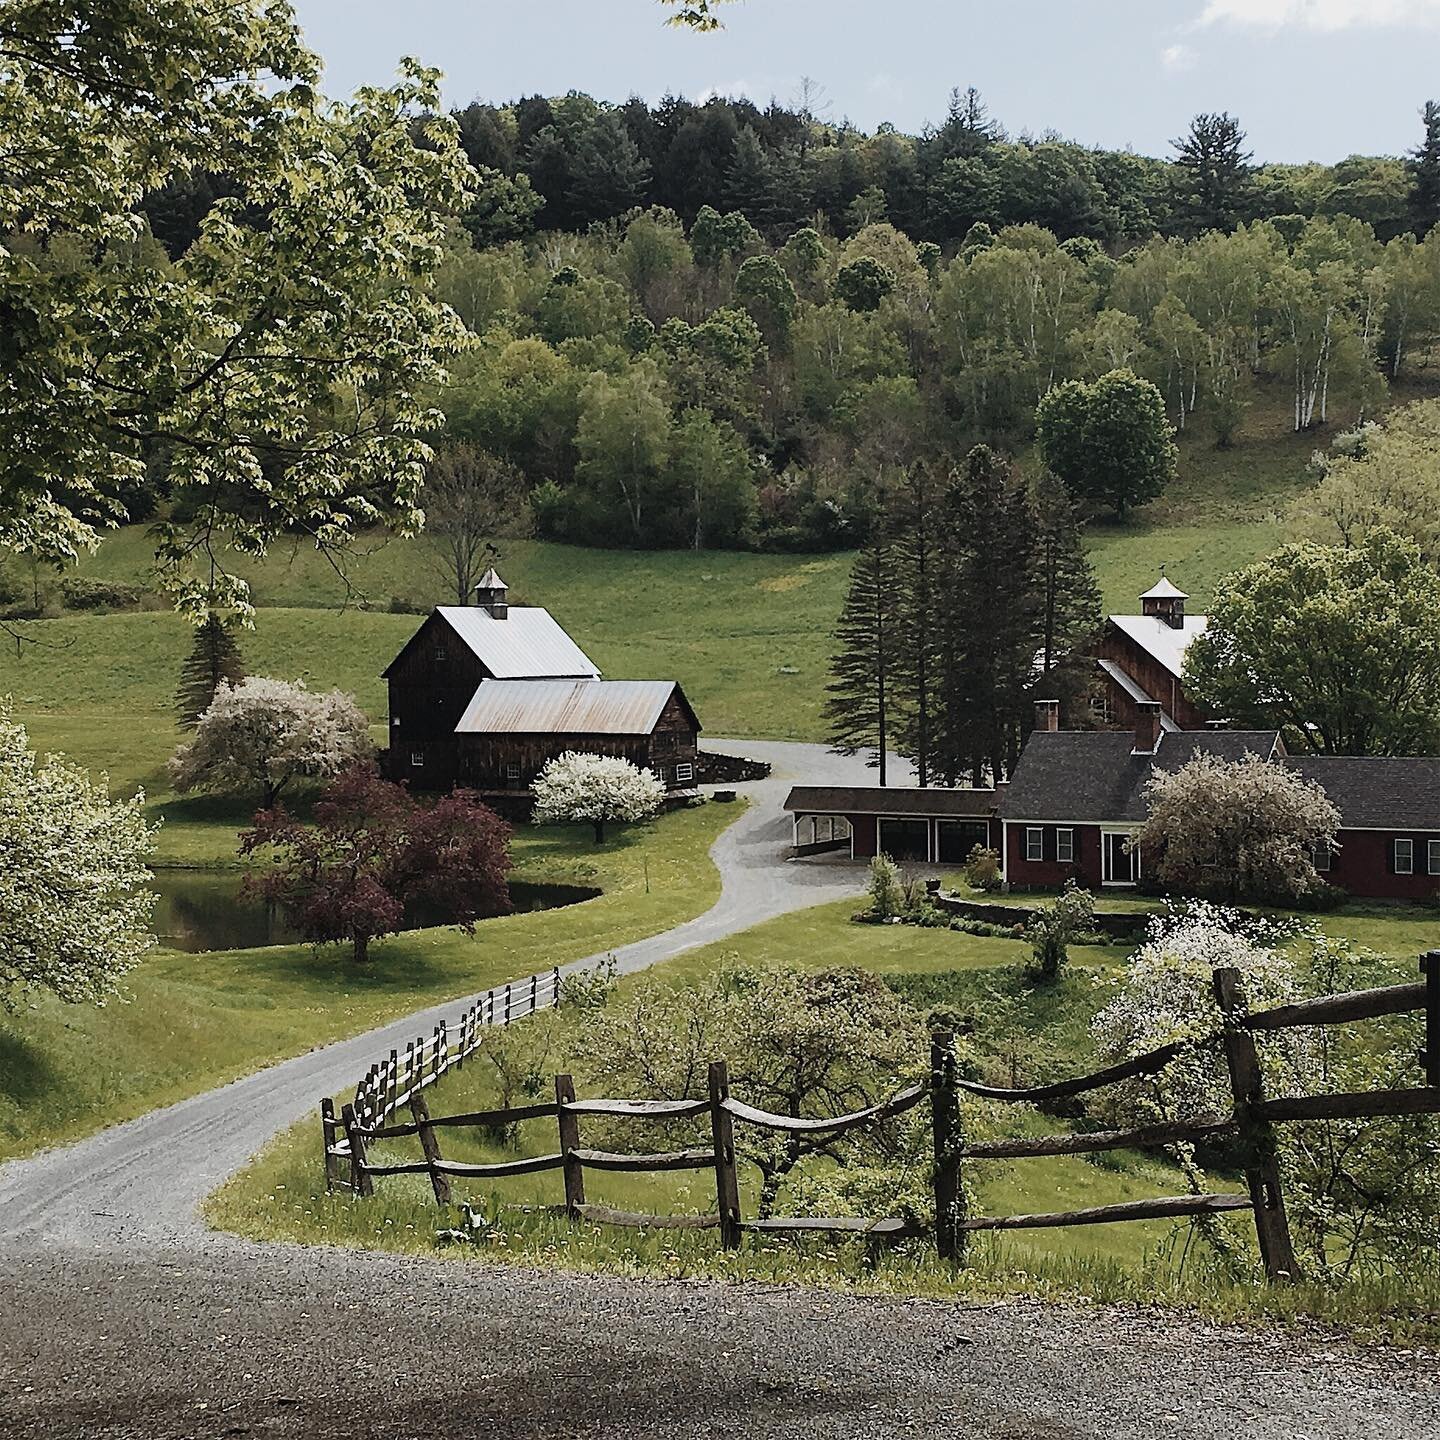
{"points": [[328, 1129], [570, 1140], [1430, 1055], [439, 1182], [442, 1049], [949, 1141], [1257, 1136], [392, 1087], [555, 987], [360, 1181], [507, 1002], [722, 1133]]}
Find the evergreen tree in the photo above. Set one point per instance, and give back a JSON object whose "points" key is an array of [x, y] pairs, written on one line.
{"points": [[858, 705], [920, 559], [990, 623], [1425, 173], [214, 660], [1214, 175], [1069, 597]]}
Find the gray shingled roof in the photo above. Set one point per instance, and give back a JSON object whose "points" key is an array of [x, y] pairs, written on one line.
{"points": [[1092, 775], [1379, 792], [888, 800]]}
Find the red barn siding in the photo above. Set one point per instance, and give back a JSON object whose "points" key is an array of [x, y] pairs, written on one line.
{"points": [[1151, 676]]}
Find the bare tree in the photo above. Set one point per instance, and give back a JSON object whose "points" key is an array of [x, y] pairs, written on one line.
{"points": [[471, 498]]}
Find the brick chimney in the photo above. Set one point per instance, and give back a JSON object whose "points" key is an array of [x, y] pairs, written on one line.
{"points": [[490, 595], [1047, 715], [1147, 727]]}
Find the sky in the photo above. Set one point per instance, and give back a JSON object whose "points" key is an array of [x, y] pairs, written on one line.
{"points": [[1309, 79]]}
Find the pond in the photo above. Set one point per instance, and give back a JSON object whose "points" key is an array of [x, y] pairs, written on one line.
{"points": [[204, 910]]}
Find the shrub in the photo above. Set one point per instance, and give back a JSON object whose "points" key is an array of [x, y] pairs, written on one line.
{"points": [[79, 592], [887, 889], [1054, 927], [982, 869]]}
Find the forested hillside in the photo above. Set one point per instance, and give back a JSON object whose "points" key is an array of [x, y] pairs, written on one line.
{"points": [[710, 325]]}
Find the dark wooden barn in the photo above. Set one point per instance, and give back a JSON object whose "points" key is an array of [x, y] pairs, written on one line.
{"points": [[484, 695]]}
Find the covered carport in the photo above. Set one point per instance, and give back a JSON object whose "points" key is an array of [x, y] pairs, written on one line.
{"points": [[931, 826]]}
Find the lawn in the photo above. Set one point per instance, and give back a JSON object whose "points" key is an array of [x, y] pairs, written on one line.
{"points": [[185, 1023]]}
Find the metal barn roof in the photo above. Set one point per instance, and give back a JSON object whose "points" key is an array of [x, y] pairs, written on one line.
{"points": [[565, 707], [1157, 637], [528, 644], [1164, 589]]}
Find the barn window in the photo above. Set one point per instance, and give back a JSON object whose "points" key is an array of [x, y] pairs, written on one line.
{"points": [[1065, 846], [684, 774], [417, 759], [1034, 843], [1405, 857], [512, 773]]}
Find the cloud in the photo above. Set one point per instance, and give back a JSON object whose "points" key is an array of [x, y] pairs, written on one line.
{"points": [[1326, 16], [1176, 58]]}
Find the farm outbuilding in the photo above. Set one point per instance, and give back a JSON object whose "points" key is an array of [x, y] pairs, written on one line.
{"points": [[927, 826], [485, 695]]}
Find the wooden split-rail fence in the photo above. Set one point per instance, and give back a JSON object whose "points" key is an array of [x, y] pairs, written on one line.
{"points": [[1249, 1129]]}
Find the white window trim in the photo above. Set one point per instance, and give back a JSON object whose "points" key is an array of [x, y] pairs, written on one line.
{"points": [[1323, 858], [684, 774], [1409, 854], [1035, 834], [417, 759], [1432, 857], [512, 771], [1068, 858]]}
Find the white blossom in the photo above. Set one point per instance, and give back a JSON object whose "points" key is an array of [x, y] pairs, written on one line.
{"points": [[262, 734], [74, 904], [576, 788]]}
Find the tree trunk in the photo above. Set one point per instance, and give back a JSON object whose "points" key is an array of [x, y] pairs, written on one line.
{"points": [[599, 831], [361, 952]]}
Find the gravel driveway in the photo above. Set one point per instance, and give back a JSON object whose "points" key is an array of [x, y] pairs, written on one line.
{"points": [[122, 1316]]}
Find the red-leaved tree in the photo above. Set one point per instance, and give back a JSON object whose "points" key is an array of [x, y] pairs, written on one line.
{"points": [[372, 850]]}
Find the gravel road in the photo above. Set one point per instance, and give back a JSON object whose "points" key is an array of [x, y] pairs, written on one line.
{"points": [[122, 1316]]}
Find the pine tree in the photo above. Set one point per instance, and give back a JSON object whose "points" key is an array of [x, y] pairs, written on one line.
{"points": [[858, 705], [1425, 173], [214, 660], [1214, 185], [989, 624], [1069, 593], [918, 548]]}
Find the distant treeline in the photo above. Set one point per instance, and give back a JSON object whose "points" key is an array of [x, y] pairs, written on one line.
{"points": [[571, 161]]}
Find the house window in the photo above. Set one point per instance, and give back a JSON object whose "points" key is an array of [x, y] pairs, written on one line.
{"points": [[417, 759], [1065, 846], [1034, 843], [512, 774], [1432, 856], [1324, 857], [1405, 857], [684, 774]]}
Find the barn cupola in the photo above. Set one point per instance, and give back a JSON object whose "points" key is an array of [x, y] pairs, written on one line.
{"points": [[1165, 602], [490, 595]]}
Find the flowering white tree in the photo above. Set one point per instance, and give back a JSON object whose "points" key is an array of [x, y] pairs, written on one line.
{"points": [[1244, 829], [74, 904], [262, 734], [580, 789]]}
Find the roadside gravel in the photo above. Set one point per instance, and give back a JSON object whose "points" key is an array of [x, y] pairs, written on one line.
{"points": [[236, 1340]]}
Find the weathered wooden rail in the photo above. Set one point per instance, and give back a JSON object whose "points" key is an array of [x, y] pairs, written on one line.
{"points": [[1250, 1125], [391, 1083]]}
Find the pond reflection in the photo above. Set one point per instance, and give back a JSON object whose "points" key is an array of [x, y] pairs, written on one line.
{"points": [[204, 910]]}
